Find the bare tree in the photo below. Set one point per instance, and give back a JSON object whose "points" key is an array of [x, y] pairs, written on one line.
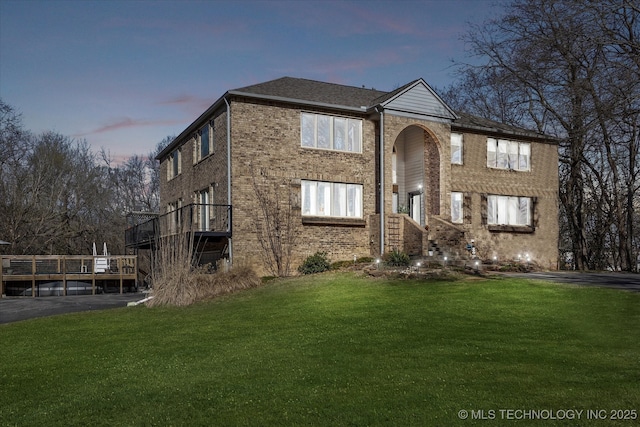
{"points": [[569, 68], [276, 225], [56, 198]]}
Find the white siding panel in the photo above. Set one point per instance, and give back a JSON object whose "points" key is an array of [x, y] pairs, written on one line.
{"points": [[414, 158], [420, 100]]}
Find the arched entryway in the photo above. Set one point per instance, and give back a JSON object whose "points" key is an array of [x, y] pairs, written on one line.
{"points": [[416, 174]]}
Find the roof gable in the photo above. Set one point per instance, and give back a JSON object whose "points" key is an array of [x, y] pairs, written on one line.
{"points": [[416, 99]]}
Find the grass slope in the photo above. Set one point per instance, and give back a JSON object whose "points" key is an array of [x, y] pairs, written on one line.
{"points": [[333, 349]]}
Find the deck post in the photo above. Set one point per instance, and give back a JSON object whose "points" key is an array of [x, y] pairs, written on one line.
{"points": [[120, 271], [93, 277], [64, 275], [33, 276], [1, 279]]}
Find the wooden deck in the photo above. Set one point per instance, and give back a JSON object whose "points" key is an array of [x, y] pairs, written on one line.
{"points": [[34, 270]]}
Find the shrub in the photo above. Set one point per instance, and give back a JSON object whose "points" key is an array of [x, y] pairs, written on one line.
{"points": [[397, 258], [198, 285], [341, 264], [316, 263]]}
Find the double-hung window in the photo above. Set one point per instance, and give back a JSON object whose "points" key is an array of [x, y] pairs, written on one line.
{"points": [[457, 213], [204, 198], [508, 210], [504, 154], [174, 167], [172, 211], [333, 199], [456, 148], [331, 132], [203, 145]]}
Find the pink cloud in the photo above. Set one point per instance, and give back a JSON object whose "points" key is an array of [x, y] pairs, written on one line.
{"points": [[334, 69], [192, 105], [344, 19], [127, 122]]}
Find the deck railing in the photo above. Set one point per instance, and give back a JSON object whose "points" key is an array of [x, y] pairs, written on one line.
{"points": [[196, 217], [38, 269]]}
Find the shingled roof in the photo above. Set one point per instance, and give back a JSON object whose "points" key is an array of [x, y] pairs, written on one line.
{"points": [[342, 97], [299, 90], [295, 89], [470, 122]]}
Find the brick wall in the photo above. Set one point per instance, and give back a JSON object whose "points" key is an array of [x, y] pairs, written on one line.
{"points": [[208, 172], [540, 183], [266, 151], [267, 147], [475, 180]]}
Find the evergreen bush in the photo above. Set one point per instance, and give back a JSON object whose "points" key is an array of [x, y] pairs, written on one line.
{"points": [[316, 263], [397, 258]]}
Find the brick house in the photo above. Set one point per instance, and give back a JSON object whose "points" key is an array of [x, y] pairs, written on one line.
{"points": [[340, 158]]}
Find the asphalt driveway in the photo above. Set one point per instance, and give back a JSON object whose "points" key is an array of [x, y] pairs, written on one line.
{"points": [[614, 280], [13, 309]]}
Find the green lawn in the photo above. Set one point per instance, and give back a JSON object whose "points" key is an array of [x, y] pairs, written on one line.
{"points": [[337, 350]]}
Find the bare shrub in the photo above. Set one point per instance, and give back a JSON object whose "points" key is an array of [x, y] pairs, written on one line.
{"points": [[275, 223], [179, 281], [208, 286], [172, 272]]}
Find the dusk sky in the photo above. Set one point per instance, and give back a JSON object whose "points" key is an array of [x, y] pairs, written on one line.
{"points": [[125, 74]]}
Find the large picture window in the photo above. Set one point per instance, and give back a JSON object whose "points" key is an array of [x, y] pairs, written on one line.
{"points": [[508, 210], [331, 133], [504, 154], [331, 199]]}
